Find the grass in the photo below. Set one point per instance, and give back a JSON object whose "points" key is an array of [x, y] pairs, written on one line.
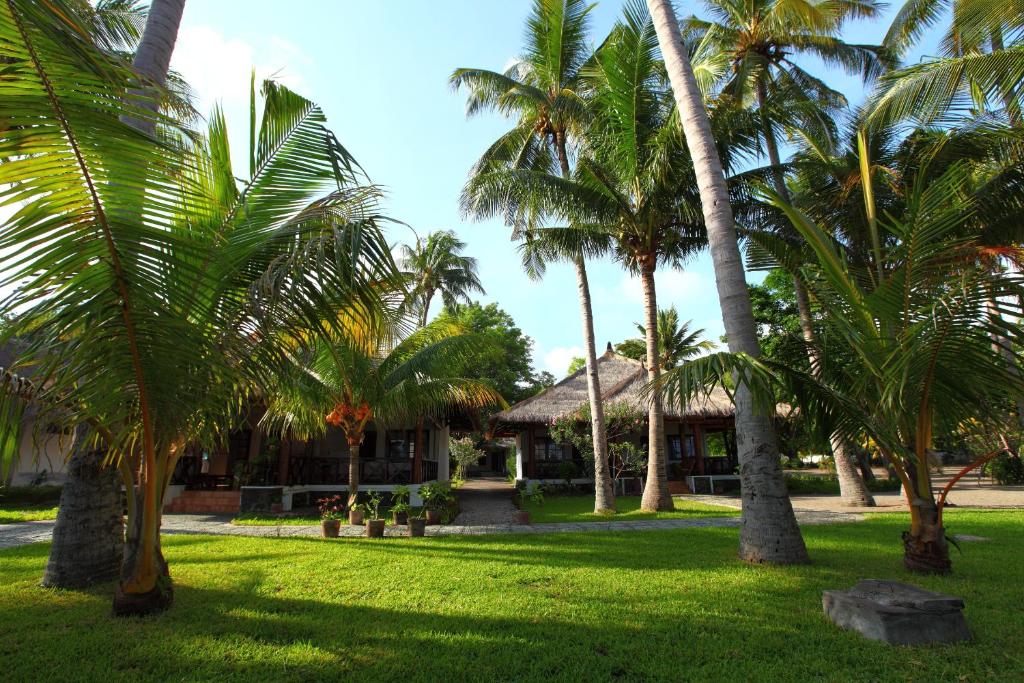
{"points": [[658, 605], [31, 513], [581, 509], [28, 503]]}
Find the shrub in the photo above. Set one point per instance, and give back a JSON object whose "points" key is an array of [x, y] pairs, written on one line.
{"points": [[510, 467], [1006, 469], [14, 496], [465, 453], [824, 485]]}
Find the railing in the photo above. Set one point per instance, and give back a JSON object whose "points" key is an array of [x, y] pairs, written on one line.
{"points": [[335, 471], [428, 470]]}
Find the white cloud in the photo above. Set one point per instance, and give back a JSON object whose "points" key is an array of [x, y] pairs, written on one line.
{"points": [[218, 68], [556, 361]]}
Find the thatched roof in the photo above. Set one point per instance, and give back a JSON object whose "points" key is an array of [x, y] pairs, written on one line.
{"points": [[621, 379]]}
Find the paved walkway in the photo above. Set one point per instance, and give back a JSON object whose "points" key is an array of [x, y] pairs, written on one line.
{"points": [[220, 525], [485, 501]]}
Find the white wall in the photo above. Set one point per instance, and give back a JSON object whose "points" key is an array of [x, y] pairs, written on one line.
{"points": [[41, 451]]}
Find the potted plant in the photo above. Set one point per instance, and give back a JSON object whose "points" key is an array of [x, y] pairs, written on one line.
{"points": [[375, 525], [331, 511], [435, 498], [357, 514], [400, 505], [533, 494]]}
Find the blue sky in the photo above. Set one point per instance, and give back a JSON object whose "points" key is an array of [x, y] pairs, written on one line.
{"points": [[380, 71]]}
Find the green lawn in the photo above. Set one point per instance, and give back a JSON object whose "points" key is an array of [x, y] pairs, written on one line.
{"points": [[658, 605], [581, 509], [30, 513]]}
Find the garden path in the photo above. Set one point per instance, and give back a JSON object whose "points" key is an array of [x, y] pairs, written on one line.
{"points": [[12, 535]]}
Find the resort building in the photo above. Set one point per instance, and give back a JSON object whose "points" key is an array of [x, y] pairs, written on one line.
{"points": [[700, 441]]}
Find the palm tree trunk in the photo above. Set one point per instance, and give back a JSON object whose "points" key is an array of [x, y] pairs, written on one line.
{"points": [[353, 470], [145, 583], [853, 491], [925, 549], [656, 494], [88, 538], [768, 531], [153, 55], [604, 495]]}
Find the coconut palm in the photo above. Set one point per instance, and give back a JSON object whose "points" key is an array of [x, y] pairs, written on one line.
{"points": [[676, 342], [156, 292], [358, 374], [919, 341], [633, 193], [761, 39], [769, 532], [541, 90], [980, 64], [88, 534], [435, 265]]}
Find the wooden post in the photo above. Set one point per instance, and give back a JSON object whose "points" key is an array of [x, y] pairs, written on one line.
{"points": [[531, 463], [698, 447], [284, 457], [417, 455]]}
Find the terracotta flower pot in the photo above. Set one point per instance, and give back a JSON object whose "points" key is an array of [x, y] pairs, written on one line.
{"points": [[375, 528], [356, 517], [330, 527], [417, 526], [399, 518], [522, 517], [433, 516]]}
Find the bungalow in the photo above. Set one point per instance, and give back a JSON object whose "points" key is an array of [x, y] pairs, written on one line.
{"points": [[700, 440], [257, 471]]}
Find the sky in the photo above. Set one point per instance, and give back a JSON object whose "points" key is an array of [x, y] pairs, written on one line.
{"points": [[380, 71]]}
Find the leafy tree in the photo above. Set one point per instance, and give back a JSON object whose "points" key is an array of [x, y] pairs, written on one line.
{"points": [[575, 365], [676, 343], [507, 360], [777, 318], [435, 265]]}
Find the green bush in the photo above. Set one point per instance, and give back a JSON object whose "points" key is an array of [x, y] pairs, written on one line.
{"points": [[1006, 469], [18, 496], [824, 485], [510, 467]]}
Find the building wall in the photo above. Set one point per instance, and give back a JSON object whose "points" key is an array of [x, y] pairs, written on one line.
{"points": [[42, 455]]}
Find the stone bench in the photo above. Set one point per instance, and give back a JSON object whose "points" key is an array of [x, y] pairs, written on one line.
{"points": [[897, 613]]}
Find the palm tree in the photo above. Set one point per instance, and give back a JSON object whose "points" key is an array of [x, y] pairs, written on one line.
{"points": [[435, 265], [88, 536], [153, 321], [676, 342], [359, 374], [919, 339], [632, 193], [981, 62], [153, 55], [761, 39], [542, 91], [769, 532]]}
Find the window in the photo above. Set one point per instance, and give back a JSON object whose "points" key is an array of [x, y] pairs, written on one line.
{"points": [[680, 446], [546, 450]]}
